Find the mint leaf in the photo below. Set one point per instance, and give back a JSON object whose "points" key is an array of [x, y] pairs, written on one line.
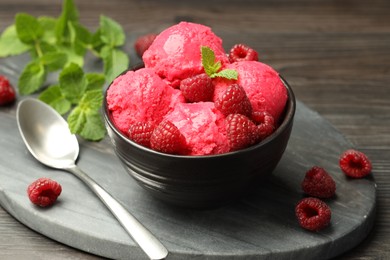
{"points": [[115, 62], [10, 43], [94, 129], [53, 60], [72, 83], [212, 67], [48, 25], [68, 15], [95, 81], [76, 120], [85, 119], [208, 61], [96, 43], [87, 124], [53, 97], [80, 38], [43, 48], [28, 28], [227, 74], [32, 78], [72, 56], [67, 30], [92, 100], [111, 32]]}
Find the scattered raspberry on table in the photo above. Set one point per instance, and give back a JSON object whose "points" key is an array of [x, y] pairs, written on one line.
{"points": [[7, 92], [44, 192], [318, 183], [355, 164], [313, 214]]}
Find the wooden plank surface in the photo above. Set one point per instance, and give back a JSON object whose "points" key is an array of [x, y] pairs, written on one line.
{"points": [[336, 54]]}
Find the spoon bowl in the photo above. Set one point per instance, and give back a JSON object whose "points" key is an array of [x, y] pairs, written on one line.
{"points": [[46, 135], [48, 138]]}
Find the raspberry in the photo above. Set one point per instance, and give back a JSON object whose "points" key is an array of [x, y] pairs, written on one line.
{"points": [[143, 43], [44, 192], [313, 214], [241, 52], [318, 183], [167, 138], [141, 132], [197, 88], [241, 132], [355, 164], [234, 101], [7, 93], [265, 123]]}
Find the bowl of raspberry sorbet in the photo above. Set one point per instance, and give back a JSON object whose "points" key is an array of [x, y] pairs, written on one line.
{"points": [[197, 126], [190, 154]]}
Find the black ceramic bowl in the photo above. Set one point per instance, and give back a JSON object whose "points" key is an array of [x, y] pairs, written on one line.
{"points": [[202, 181]]}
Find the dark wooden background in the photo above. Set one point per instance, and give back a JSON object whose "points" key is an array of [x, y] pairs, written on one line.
{"points": [[334, 53]]}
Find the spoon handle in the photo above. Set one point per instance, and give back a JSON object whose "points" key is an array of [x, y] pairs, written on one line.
{"points": [[141, 235]]}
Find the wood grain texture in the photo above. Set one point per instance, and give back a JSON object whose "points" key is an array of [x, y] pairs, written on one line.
{"points": [[336, 55]]}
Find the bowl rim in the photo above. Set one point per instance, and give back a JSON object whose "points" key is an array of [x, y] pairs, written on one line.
{"points": [[288, 113]]}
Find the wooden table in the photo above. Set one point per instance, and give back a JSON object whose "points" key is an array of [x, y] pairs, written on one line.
{"points": [[335, 54]]}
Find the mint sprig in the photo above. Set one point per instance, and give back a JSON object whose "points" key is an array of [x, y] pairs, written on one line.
{"points": [[61, 43], [84, 92], [213, 67]]}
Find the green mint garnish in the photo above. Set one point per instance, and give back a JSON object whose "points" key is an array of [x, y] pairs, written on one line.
{"points": [[10, 44], [84, 92], [60, 44], [212, 67], [85, 118]]}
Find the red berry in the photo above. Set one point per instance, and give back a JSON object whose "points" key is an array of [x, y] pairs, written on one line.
{"points": [[265, 123], [234, 101], [355, 164], [197, 88], [241, 52], [7, 92], [313, 214], [241, 131], [141, 132], [167, 138], [143, 43], [44, 192], [318, 183]]}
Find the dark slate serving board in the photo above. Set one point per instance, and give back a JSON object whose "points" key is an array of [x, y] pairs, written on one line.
{"points": [[261, 226]]}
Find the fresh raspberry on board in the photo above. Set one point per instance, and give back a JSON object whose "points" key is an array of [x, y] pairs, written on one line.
{"points": [[318, 183], [7, 92], [355, 164], [242, 52], [143, 42], [197, 88], [241, 132], [265, 123], [167, 138], [44, 192], [141, 132], [313, 214], [234, 101]]}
